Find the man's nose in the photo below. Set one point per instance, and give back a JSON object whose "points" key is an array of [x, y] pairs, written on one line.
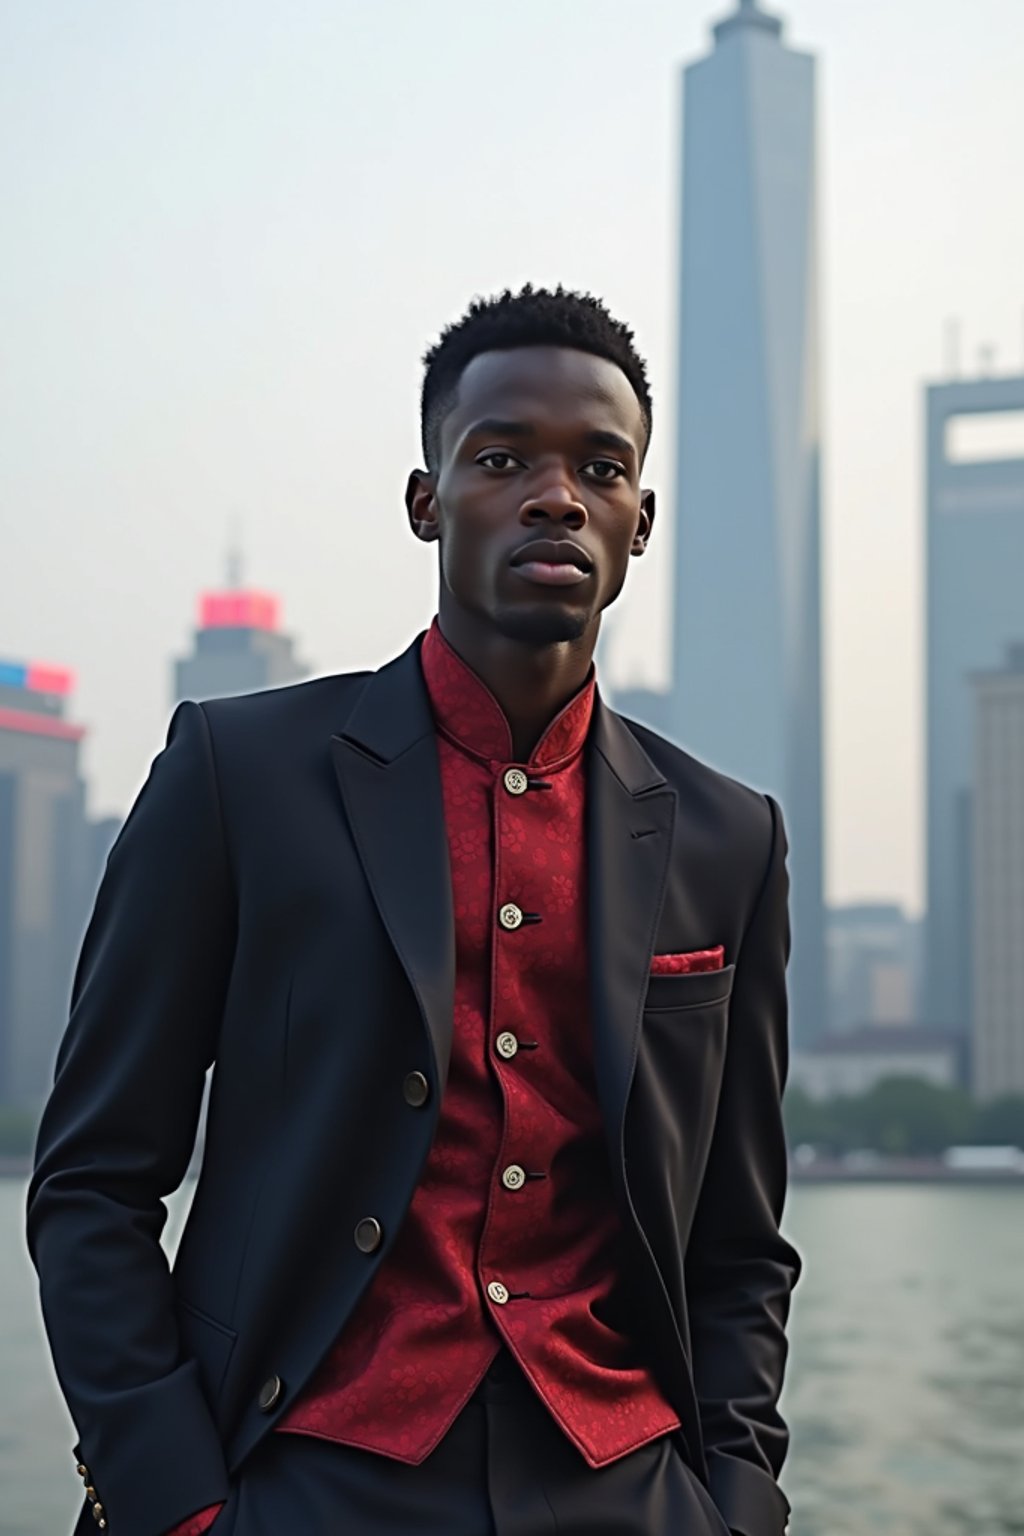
{"points": [[556, 502]]}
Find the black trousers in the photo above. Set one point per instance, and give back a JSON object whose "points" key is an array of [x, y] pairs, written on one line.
{"points": [[504, 1469]]}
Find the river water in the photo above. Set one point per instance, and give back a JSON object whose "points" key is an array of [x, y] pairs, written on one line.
{"points": [[906, 1384]]}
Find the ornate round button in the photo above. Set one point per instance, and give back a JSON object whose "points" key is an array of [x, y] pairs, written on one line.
{"points": [[515, 781], [514, 1177], [507, 1044], [510, 916], [369, 1234], [416, 1090], [497, 1292], [271, 1393]]}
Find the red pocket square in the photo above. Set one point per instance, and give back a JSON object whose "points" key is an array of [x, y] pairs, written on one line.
{"points": [[683, 965]]}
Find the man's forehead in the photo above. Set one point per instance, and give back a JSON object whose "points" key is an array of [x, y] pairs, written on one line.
{"points": [[544, 379]]}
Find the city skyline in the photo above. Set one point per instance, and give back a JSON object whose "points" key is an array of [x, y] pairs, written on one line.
{"points": [[190, 294]]}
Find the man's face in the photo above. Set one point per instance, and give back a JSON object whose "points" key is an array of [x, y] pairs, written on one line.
{"points": [[536, 499]]}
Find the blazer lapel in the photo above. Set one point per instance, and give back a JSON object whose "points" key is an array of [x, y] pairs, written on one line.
{"points": [[387, 766], [630, 819]]}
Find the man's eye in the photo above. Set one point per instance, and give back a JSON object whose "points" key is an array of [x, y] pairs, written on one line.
{"points": [[497, 460], [604, 469]]}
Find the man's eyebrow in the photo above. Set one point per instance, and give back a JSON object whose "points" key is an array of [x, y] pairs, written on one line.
{"points": [[495, 426], [613, 440]]}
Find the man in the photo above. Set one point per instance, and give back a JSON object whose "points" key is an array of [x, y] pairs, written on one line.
{"points": [[486, 1239]]}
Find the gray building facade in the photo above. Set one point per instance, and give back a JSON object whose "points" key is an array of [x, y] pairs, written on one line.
{"points": [[47, 874], [746, 649], [873, 966], [997, 1044], [974, 611], [238, 647]]}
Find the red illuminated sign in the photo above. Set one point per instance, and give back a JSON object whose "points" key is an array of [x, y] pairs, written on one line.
{"points": [[59, 680], [36, 678], [238, 610]]}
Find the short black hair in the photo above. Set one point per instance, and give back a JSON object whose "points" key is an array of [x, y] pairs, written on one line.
{"points": [[533, 317]]}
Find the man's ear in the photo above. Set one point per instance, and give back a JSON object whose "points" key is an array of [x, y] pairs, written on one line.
{"points": [[645, 523], [421, 505]]}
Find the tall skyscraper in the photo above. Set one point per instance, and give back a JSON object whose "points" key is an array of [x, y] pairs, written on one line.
{"points": [[47, 873], [998, 885], [975, 609], [239, 647], [746, 654]]}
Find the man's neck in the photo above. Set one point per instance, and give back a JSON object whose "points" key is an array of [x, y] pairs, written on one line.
{"points": [[531, 683]]}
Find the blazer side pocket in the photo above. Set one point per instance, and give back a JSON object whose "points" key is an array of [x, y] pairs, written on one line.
{"points": [[694, 989], [209, 1343]]}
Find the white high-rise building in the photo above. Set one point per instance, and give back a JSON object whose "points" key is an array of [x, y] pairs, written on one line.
{"points": [[998, 884], [746, 662]]}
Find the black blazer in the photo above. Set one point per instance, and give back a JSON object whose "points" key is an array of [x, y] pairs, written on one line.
{"points": [[278, 905]]}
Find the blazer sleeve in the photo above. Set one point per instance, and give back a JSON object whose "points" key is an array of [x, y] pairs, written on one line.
{"points": [[740, 1272], [116, 1137]]}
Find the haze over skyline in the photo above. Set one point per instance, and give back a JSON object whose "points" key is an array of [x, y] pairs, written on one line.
{"points": [[233, 229]]}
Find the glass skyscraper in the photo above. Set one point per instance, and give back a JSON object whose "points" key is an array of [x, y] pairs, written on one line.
{"points": [[746, 653]]}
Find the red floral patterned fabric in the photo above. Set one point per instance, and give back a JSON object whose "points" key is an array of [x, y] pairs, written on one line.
{"points": [[198, 1524], [683, 965], [516, 1194]]}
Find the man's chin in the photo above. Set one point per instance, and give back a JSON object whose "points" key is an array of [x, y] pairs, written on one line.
{"points": [[542, 624]]}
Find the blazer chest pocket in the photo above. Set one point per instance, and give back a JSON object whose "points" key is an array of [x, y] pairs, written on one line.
{"points": [[696, 989], [208, 1343]]}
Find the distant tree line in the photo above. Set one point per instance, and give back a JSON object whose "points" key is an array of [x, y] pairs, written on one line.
{"points": [[17, 1131], [903, 1117], [900, 1116]]}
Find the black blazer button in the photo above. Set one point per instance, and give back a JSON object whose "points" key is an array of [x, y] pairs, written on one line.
{"points": [[271, 1394], [416, 1090], [369, 1235]]}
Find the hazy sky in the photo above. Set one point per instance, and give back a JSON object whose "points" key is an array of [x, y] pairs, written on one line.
{"points": [[230, 230]]}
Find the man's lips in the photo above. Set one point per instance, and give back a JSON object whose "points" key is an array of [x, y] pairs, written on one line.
{"points": [[552, 563], [546, 574]]}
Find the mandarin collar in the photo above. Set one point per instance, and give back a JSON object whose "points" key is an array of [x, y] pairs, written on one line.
{"points": [[467, 713]]}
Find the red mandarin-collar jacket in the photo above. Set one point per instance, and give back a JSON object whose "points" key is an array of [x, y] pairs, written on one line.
{"points": [[512, 1233]]}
